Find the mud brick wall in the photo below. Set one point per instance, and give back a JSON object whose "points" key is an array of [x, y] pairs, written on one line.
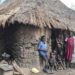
{"points": [[26, 45], [21, 42]]}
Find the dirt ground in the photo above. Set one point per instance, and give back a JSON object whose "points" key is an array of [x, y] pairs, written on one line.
{"points": [[59, 72]]}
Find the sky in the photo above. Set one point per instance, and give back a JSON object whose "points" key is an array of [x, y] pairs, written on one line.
{"points": [[69, 3], [2, 1]]}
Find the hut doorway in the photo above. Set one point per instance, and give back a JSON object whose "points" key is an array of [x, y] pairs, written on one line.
{"points": [[10, 41], [56, 34]]}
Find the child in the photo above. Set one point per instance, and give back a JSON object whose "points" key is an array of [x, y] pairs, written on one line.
{"points": [[60, 62], [52, 61]]}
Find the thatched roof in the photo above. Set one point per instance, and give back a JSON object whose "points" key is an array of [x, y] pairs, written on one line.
{"points": [[41, 13], [8, 9]]}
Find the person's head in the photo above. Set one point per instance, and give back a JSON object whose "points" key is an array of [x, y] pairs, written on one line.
{"points": [[51, 54], [71, 34], [42, 38]]}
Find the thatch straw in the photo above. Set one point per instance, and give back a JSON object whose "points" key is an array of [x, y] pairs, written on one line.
{"points": [[41, 13]]}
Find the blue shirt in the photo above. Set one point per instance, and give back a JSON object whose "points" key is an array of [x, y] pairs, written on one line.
{"points": [[42, 46]]}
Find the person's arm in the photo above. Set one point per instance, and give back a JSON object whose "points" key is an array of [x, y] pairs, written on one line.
{"points": [[39, 46]]}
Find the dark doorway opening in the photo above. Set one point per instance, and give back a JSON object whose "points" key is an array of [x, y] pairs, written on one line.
{"points": [[10, 46], [55, 33]]}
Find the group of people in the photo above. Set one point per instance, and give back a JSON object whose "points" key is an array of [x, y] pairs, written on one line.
{"points": [[57, 59]]}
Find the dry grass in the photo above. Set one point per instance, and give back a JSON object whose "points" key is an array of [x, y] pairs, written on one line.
{"points": [[41, 13]]}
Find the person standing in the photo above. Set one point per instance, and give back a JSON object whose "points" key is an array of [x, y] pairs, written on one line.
{"points": [[42, 48], [69, 50], [59, 47]]}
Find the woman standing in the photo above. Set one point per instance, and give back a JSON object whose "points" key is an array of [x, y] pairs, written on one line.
{"points": [[69, 50]]}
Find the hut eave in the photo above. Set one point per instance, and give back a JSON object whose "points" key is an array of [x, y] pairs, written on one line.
{"points": [[58, 24]]}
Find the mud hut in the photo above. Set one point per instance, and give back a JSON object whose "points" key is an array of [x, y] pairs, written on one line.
{"points": [[23, 22]]}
